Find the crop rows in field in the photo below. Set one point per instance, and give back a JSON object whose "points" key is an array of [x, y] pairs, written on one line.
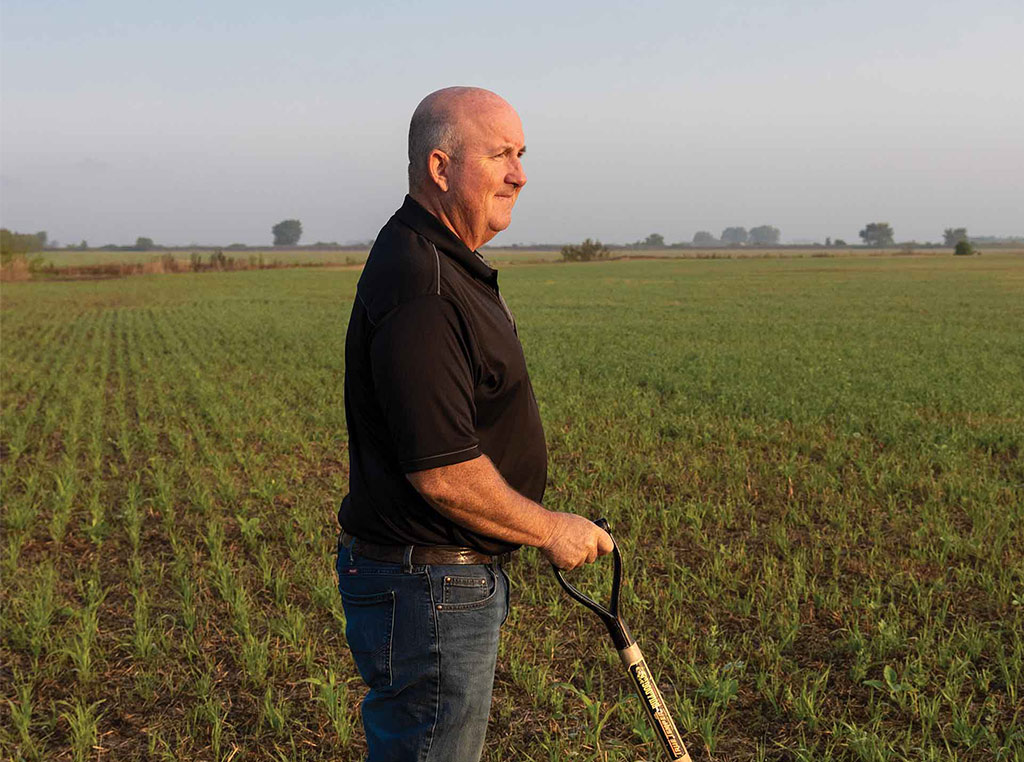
{"points": [[813, 469]]}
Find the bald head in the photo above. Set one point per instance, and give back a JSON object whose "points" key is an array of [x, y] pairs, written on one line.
{"points": [[440, 121], [465, 161]]}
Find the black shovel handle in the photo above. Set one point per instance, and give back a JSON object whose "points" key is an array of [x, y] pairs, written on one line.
{"points": [[610, 614], [629, 652]]}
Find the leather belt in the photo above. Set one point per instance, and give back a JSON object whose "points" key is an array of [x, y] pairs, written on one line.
{"points": [[422, 555]]}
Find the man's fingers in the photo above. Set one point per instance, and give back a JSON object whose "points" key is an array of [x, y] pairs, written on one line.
{"points": [[577, 542]]}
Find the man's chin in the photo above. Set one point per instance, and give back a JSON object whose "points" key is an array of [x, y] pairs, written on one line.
{"points": [[497, 224]]}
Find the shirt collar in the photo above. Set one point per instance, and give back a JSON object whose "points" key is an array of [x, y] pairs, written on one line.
{"points": [[427, 225]]}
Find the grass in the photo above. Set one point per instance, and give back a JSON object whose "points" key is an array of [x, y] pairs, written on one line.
{"points": [[813, 467], [67, 258]]}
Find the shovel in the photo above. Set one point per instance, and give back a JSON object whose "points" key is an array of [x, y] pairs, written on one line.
{"points": [[632, 659]]}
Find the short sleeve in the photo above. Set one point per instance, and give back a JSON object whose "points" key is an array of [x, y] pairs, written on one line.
{"points": [[423, 379]]}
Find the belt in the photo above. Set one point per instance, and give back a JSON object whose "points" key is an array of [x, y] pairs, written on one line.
{"points": [[422, 555]]}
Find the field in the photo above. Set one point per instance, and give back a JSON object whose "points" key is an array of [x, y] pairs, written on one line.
{"points": [[499, 255], [813, 467], [94, 257]]}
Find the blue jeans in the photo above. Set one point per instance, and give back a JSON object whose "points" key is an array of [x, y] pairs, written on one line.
{"points": [[425, 641]]}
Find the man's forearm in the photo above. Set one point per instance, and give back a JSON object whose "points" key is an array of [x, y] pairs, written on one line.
{"points": [[474, 494]]}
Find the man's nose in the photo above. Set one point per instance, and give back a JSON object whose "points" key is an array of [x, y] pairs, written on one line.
{"points": [[516, 175]]}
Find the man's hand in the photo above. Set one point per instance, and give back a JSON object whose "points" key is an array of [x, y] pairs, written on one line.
{"points": [[574, 541]]}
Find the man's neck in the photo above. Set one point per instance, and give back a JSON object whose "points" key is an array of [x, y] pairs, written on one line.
{"points": [[433, 205]]}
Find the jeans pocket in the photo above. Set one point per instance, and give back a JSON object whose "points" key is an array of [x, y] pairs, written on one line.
{"points": [[369, 623], [468, 591]]}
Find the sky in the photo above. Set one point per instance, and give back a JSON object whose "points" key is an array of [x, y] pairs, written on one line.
{"points": [[199, 122]]}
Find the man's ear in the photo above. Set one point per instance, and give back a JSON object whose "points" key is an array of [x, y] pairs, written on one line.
{"points": [[438, 165]]}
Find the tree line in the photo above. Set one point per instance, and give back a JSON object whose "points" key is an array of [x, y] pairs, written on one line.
{"points": [[13, 244], [875, 234], [289, 232], [762, 235], [881, 234]]}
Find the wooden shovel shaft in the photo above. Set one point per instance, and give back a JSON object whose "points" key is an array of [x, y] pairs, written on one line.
{"points": [[654, 704]]}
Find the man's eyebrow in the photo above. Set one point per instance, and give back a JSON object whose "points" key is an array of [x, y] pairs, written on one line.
{"points": [[503, 149]]}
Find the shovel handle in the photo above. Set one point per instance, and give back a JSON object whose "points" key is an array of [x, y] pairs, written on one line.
{"points": [[632, 658], [654, 705], [607, 614]]}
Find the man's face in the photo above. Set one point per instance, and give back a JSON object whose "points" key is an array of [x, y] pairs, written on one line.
{"points": [[487, 174]]}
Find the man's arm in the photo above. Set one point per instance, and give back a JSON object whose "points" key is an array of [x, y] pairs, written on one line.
{"points": [[474, 495]]}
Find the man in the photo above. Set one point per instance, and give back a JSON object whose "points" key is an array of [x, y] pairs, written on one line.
{"points": [[446, 450]]}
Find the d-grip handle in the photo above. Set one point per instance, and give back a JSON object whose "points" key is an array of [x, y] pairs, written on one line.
{"points": [[610, 615], [632, 659]]}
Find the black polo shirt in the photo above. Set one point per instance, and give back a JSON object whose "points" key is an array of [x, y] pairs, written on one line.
{"points": [[434, 375]]}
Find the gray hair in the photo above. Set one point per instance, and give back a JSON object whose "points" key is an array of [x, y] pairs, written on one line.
{"points": [[431, 128]]}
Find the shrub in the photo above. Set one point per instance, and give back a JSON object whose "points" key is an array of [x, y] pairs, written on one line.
{"points": [[964, 248], [165, 263], [15, 268], [585, 252], [218, 261]]}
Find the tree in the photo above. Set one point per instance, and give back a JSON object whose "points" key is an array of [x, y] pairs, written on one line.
{"points": [[765, 235], [144, 244], [734, 235], [877, 234], [15, 244], [585, 252], [655, 241], [287, 232], [953, 236], [704, 238]]}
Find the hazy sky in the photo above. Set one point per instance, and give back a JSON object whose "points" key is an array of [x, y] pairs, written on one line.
{"points": [[209, 122]]}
